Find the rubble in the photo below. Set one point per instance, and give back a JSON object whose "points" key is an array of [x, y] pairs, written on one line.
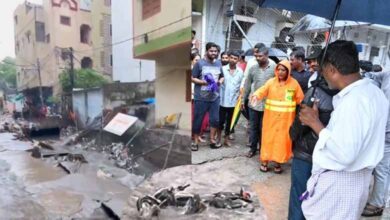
{"points": [[149, 206], [213, 185]]}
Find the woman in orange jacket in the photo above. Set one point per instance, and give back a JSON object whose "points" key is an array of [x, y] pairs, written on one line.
{"points": [[282, 94]]}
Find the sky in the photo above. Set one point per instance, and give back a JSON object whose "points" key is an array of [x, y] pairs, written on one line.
{"points": [[7, 25]]}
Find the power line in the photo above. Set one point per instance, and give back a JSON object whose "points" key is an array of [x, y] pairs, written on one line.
{"points": [[132, 38], [14, 64]]}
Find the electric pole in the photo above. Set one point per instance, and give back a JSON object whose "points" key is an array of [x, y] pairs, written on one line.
{"points": [[71, 72], [40, 82]]}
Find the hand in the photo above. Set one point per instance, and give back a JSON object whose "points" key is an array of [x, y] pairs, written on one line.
{"points": [[253, 100], [220, 81], [242, 106], [204, 83], [310, 117]]}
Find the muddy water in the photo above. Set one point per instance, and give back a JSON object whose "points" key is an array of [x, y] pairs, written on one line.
{"points": [[29, 169], [36, 189], [15, 202]]}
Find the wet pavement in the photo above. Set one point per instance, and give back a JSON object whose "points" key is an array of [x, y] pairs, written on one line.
{"points": [[40, 189]]}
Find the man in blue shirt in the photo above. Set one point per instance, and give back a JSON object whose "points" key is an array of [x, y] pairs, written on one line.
{"points": [[207, 76], [229, 92]]}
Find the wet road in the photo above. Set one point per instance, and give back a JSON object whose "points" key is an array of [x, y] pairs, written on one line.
{"points": [[37, 189]]}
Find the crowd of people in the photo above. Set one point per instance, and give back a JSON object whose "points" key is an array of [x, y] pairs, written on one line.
{"points": [[326, 112]]}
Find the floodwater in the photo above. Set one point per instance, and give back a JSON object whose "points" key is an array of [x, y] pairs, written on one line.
{"points": [[39, 189]]}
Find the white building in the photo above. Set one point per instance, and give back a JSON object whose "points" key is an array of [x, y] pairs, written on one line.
{"points": [[211, 22], [125, 67]]}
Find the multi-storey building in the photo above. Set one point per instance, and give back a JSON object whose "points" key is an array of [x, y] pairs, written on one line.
{"points": [[46, 33]]}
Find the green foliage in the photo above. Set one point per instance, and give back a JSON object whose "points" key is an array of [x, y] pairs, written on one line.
{"points": [[53, 100], [83, 78], [8, 71]]}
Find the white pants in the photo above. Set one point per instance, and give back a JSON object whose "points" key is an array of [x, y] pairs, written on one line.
{"points": [[336, 195]]}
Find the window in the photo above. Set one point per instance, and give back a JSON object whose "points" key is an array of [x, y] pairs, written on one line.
{"points": [[65, 20], [150, 8], [40, 34], [16, 19], [86, 63], [107, 3], [111, 59], [85, 31]]}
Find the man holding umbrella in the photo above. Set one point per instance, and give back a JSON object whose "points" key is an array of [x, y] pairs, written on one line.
{"points": [[351, 145]]}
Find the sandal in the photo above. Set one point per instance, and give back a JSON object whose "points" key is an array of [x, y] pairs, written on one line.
{"points": [[264, 167], [278, 169], [215, 145], [194, 147], [371, 211]]}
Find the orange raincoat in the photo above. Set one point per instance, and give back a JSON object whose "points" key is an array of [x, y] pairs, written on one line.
{"points": [[279, 113]]}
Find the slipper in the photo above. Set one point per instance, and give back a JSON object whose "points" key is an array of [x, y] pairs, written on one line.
{"points": [[278, 169], [215, 145], [371, 211], [194, 147], [264, 168]]}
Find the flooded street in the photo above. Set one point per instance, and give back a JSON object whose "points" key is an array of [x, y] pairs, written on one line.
{"points": [[40, 189]]}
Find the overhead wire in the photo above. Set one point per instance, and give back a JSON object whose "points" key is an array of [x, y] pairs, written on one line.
{"points": [[138, 36]]}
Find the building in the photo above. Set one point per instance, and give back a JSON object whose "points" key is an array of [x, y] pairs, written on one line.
{"points": [[239, 25], [125, 67], [45, 33], [102, 36], [162, 30], [373, 41]]}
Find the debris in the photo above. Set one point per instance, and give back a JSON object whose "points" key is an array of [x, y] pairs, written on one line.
{"points": [[36, 152], [70, 167], [103, 173], [148, 207], [109, 212], [120, 123], [120, 154], [192, 203], [45, 145]]}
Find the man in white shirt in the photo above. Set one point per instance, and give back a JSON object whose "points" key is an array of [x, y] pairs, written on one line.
{"points": [[351, 145]]}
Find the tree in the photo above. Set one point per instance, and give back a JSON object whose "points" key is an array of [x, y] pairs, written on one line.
{"points": [[83, 78], [8, 71]]}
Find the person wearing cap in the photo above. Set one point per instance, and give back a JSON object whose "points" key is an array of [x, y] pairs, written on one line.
{"points": [[311, 61]]}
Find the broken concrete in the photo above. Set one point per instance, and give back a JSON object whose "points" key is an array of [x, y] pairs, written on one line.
{"points": [[204, 179]]}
